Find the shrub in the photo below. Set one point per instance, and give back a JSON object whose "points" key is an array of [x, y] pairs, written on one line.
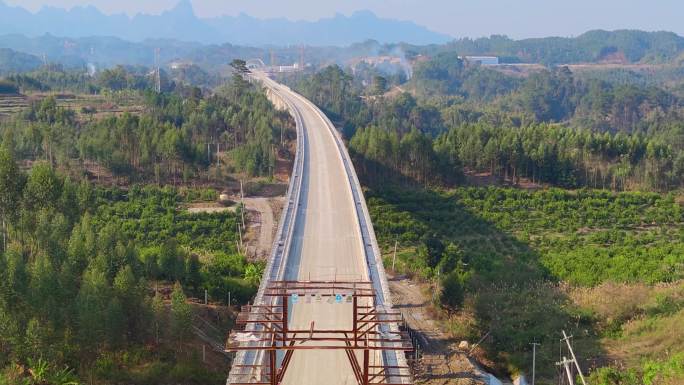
{"points": [[452, 290]]}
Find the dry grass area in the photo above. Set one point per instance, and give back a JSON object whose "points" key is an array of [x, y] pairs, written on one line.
{"points": [[637, 321], [209, 207]]}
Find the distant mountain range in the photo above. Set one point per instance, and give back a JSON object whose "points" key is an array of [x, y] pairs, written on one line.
{"points": [[181, 23], [21, 53]]}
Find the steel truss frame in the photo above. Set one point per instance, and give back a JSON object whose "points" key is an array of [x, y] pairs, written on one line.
{"points": [[265, 328]]}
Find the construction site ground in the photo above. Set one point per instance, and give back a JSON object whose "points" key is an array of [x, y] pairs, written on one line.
{"points": [[443, 361], [262, 214]]}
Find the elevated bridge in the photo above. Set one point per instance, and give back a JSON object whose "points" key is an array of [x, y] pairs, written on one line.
{"points": [[323, 313]]}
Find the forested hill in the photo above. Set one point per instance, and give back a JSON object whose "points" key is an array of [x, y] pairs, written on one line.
{"points": [[550, 127], [105, 51], [13, 61], [625, 46]]}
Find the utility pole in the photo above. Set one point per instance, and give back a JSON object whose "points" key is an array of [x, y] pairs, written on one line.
{"points": [[534, 360], [436, 285], [242, 203], [240, 235], [574, 359], [394, 258], [157, 77]]}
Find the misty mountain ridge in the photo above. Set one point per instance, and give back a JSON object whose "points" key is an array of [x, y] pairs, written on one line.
{"points": [[181, 23]]}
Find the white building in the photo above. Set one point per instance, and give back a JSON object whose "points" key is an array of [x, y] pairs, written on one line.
{"points": [[484, 60]]}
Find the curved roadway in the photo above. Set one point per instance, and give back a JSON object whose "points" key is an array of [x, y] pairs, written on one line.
{"points": [[327, 242], [326, 245]]}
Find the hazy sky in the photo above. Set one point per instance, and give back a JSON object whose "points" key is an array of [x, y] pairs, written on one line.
{"points": [[474, 18]]}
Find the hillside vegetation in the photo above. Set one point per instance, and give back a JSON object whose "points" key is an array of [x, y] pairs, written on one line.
{"points": [[605, 162], [594, 46], [178, 136], [76, 272], [550, 129], [96, 281], [12, 61], [502, 251]]}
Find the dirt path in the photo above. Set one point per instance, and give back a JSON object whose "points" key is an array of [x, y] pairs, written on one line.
{"points": [[413, 304], [261, 225], [442, 362], [203, 207]]}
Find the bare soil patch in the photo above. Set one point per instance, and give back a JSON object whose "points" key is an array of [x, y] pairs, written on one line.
{"points": [[443, 360]]}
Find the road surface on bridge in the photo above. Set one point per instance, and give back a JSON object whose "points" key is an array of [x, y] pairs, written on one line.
{"points": [[327, 245]]}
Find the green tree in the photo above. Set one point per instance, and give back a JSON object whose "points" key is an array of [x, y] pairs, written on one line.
{"points": [[92, 303], [11, 186], [35, 340], [169, 260], [159, 315], [115, 79], [82, 244], [253, 274], [453, 291], [14, 279], [115, 322], [239, 65], [193, 275], [44, 288], [452, 258], [181, 315], [10, 337], [43, 187], [129, 295], [379, 86]]}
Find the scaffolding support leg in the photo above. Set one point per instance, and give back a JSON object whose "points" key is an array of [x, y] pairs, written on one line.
{"points": [[274, 373], [366, 373]]}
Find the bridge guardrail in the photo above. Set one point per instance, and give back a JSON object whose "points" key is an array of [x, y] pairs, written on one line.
{"points": [[275, 267]]}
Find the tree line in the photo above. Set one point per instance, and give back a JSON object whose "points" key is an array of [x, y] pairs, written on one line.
{"points": [[526, 133], [593, 46], [56, 78]]}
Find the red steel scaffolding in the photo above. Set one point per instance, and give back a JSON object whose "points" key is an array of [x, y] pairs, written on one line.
{"points": [[264, 329]]}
